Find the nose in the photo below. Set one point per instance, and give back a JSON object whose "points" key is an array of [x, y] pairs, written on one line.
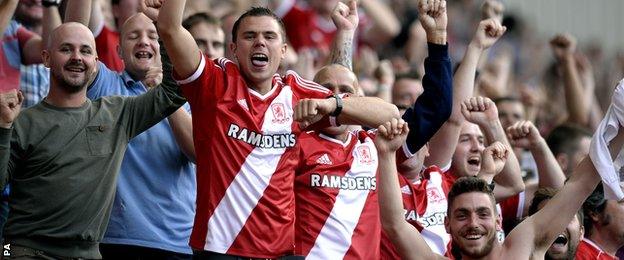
{"points": [[143, 41], [260, 41], [76, 55], [474, 144]]}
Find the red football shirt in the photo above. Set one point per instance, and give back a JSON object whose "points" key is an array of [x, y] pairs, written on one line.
{"points": [[244, 206], [336, 197], [588, 250], [106, 42], [425, 204]]}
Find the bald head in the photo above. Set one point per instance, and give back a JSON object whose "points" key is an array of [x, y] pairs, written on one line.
{"points": [[136, 20], [337, 78], [70, 55], [72, 28]]}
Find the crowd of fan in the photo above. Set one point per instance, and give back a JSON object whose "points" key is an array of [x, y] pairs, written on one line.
{"points": [[159, 129]]}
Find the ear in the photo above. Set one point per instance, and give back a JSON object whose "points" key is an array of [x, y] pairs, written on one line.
{"points": [[119, 51], [562, 159], [499, 222], [595, 217], [582, 231], [45, 55], [447, 225], [284, 49], [233, 49]]}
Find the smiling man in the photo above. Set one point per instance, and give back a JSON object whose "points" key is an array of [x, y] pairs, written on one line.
{"points": [[62, 156]]}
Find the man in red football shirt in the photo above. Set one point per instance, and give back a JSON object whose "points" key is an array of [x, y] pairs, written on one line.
{"points": [[244, 127]]}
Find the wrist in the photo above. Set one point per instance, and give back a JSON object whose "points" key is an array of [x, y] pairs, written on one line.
{"points": [[473, 46], [437, 37]]}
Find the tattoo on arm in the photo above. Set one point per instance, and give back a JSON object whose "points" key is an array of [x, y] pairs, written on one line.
{"points": [[343, 55]]}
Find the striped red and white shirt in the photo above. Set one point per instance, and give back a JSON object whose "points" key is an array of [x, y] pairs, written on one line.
{"points": [[336, 197], [245, 207]]}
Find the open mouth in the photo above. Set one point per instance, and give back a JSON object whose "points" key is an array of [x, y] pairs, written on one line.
{"points": [[561, 241], [473, 236], [259, 59], [75, 68], [474, 161], [143, 55]]}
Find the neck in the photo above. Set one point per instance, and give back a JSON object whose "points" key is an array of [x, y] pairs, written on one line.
{"points": [[342, 136], [602, 238], [61, 98], [262, 87], [495, 253]]}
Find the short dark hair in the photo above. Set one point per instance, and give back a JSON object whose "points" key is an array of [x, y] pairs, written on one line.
{"points": [[596, 204], [114, 2], [198, 18], [466, 185], [255, 12], [544, 194], [564, 138], [412, 74]]}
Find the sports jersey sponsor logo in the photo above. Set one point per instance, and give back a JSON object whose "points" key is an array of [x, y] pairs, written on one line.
{"points": [[279, 113], [261, 140], [364, 155], [343, 182], [434, 219], [324, 159]]}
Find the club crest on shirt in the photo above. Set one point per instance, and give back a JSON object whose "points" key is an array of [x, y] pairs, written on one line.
{"points": [[364, 155], [279, 113], [434, 195]]}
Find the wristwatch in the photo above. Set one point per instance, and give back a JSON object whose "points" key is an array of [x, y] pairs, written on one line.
{"points": [[48, 3], [338, 109]]}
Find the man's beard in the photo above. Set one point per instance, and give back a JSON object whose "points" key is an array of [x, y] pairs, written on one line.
{"points": [[71, 85], [457, 252]]}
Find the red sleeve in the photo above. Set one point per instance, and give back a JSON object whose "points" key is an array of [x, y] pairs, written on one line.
{"points": [[207, 83], [106, 43], [510, 207], [23, 35]]}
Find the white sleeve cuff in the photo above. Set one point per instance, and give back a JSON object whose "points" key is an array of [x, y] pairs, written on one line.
{"points": [[196, 75]]}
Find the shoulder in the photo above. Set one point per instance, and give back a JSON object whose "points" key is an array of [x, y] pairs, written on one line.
{"points": [[304, 87]]}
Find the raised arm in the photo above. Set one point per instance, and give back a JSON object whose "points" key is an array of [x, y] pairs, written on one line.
{"points": [[493, 161], [10, 105], [444, 141], [433, 107], [51, 20], [7, 8], [483, 112], [564, 46], [525, 135], [86, 12], [184, 53], [346, 20], [385, 27], [408, 241]]}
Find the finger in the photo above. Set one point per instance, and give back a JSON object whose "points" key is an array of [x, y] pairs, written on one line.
{"points": [[299, 110], [480, 104], [394, 126], [382, 130], [464, 110], [353, 7], [311, 108]]}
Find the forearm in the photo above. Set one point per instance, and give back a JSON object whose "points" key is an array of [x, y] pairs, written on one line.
{"points": [[185, 54], [385, 22], [79, 11], [575, 102], [390, 201], [509, 180], [433, 108], [51, 20], [7, 8], [342, 50], [463, 81], [549, 172], [367, 111], [181, 125]]}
